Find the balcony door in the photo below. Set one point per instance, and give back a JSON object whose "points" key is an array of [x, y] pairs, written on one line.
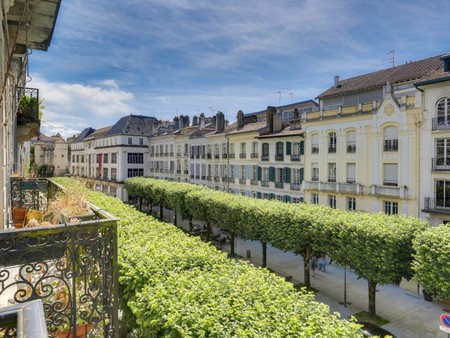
{"points": [[442, 194], [443, 152]]}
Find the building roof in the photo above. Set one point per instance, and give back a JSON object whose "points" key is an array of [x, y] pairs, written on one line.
{"points": [[99, 132], [284, 133], [134, 125], [85, 133], [407, 72], [249, 127]]}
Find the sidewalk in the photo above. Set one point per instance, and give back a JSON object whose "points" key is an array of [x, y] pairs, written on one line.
{"points": [[409, 315]]}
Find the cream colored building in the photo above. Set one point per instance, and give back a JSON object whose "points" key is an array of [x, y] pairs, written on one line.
{"points": [[51, 155], [363, 146], [24, 25]]}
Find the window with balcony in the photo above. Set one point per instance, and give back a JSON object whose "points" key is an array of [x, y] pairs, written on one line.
{"points": [[265, 177], [279, 179], [135, 172], [351, 172], [331, 172], [443, 112], [442, 159], [295, 154], [279, 151], [105, 158], [243, 150], [314, 172], [332, 142], [314, 198], [105, 173], [442, 191], [351, 142], [390, 171], [265, 152], [254, 150], [391, 139], [332, 201], [351, 203], [136, 158], [390, 208], [113, 174]]}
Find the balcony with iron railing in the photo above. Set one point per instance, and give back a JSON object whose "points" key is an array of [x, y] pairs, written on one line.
{"points": [[264, 157], [243, 155], [440, 164], [28, 119], [295, 157], [279, 157], [254, 155], [253, 182], [440, 123], [71, 266], [351, 147], [295, 186], [279, 185], [265, 183], [242, 181], [436, 205], [390, 145]]}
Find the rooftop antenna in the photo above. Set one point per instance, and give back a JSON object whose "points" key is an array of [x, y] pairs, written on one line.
{"points": [[392, 58], [292, 97], [279, 97]]}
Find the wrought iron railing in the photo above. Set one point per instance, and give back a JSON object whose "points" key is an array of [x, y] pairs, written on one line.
{"points": [[72, 268]]}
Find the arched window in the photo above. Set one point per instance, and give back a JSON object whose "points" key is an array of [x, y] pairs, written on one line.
{"points": [[390, 138], [443, 111], [315, 144], [332, 142]]}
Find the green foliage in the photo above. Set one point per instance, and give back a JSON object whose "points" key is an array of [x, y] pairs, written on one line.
{"points": [[432, 260], [174, 285]]}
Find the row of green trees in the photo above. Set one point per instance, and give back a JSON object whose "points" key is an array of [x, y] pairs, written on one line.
{"points": [[175, 285], [378, 247]]}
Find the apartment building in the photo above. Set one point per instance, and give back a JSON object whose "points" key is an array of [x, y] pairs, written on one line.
{"points": [[51, 154], [364, 146], [111, 154], [434, 140], [23, 27]]}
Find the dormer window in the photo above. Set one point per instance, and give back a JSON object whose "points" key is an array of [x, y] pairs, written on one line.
{"points": [[446, 60]]}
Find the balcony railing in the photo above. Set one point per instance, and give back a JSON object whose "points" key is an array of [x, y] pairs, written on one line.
{"points": [[279, 157], [390, 145], [440, 123], [71, 267], [434, 205], [264, 183], [440, 164], [279, 185], [351, 148], [314, 149], [242, 181], [393, 191], [295, 186], [231, 155], [295, 157], [254, 155], [216, 156], [224, 155], [332, 149], [253, 182], [264, 157]]}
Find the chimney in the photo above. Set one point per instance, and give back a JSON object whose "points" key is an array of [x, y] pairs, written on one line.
{"points": [[186, 121], [220, 121], [269, 118], [277, 122], [336, 81], [202, 121], [182, 122], [195, 120], [176, 122], [240, 119]]}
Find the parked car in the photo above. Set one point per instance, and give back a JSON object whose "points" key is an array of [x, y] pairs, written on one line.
{"points": [[371, 330]]}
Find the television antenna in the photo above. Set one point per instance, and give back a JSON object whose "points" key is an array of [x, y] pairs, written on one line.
{"points": [[292, 96], [392, 58], [279, 97]]}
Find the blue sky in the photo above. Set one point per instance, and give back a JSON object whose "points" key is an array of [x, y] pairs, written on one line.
{"points": [[162, 58]]}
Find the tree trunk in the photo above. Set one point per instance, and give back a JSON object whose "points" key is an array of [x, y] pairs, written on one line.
{"points": [[264, 254], [232, 244], [140, 203], [372, 293], [175, 218], [307, 277], [161, 212], [208, 230], [191, 227]]}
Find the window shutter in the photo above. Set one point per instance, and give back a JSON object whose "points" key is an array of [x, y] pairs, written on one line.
{"points": [[287, 175], [258, 195], [259, 173], [271, 174], [288, 148], [301, 175], [302, 147], [287, 198], [271, 196]]}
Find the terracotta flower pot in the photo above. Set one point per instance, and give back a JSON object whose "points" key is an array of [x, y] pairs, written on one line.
{"points": [[82, 331]]}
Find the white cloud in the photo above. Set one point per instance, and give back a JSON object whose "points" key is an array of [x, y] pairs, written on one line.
{"points": [[72, 106]]}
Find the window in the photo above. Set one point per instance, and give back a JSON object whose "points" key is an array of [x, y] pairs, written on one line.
{"points": [[265, 152], [331, 172], [141, 141], [442, 159], [315, 144], [243, 172], [105, 158], [351, 142], [314, 172], [135, 158], [114, 158], [443, 111], [314, 198], [265, 174], [279, 177], [279, 151], [113, 174], [82, 158], [332, 142], [351, 203], [130, 140], [105, 173], [243, 152], [113, 191], [254, 172], [390, 139], [390, 174], [296, 177], [442, 188], [351, 172], [390, 208], [78, 158], [254, 150], [296, 148], [332, 201], [295, 200], [135, 172]]}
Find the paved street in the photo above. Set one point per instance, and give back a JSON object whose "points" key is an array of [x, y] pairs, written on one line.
{"points": [[409, 315]]}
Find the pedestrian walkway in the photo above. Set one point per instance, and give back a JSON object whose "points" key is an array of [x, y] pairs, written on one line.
{"points": [[409, 315]]}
